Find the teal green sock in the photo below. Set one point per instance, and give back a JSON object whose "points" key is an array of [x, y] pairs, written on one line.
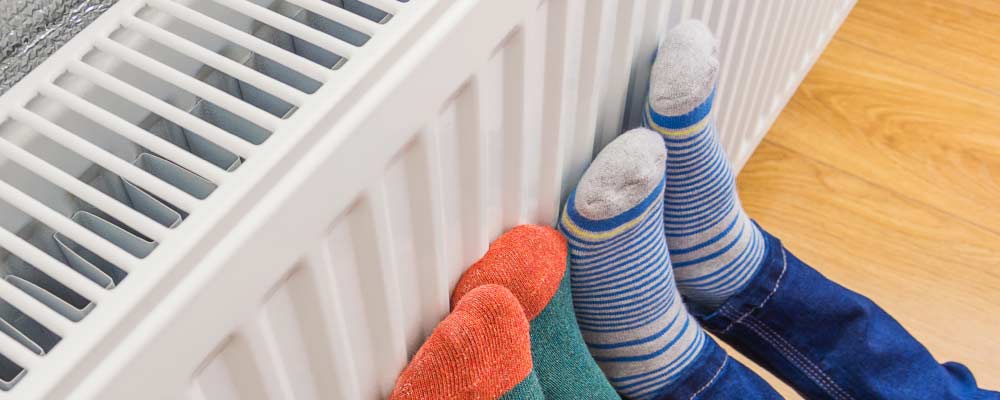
{"points": [[528, 389], [558, 349], [531, 261]]}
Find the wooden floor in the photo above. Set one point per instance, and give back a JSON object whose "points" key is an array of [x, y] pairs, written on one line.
{"points": [[884, 171]]}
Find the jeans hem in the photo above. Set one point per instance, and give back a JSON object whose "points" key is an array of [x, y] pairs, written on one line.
{"points": [[700, 375], [743, 309], [757, 292]]}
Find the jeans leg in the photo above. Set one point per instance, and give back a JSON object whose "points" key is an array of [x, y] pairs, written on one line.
{"points": [[716, 376], [828, 342]]}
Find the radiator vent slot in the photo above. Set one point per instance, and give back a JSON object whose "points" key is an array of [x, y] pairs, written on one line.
{"points": [[100, 162]]}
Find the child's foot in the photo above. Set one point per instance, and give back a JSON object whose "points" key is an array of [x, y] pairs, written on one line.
{"points": [[531, 261], [714, 246], [626, 301], [480, 351]]}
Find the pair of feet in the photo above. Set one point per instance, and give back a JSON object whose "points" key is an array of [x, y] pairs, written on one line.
{"points": [[655, 216], [511, 333]]}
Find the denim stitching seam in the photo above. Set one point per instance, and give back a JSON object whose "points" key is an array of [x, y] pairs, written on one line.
{"points": [[710, 381], [797, 358], [777, 285], [796, 362], [819, 371]]}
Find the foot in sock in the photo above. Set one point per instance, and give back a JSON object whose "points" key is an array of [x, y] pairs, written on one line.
{"points": [[531, 261], [627, 305], [481, 350], [714, 246]]}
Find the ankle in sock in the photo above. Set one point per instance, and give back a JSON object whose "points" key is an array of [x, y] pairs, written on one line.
{"points": [[627, 305], [714, 246], [480, 351], [531, 261]]}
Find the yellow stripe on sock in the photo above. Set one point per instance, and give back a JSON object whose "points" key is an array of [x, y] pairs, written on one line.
{"points": [[697, 127], [579, 232]]}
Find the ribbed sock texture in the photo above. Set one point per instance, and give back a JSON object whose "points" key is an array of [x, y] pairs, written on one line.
{"points": [[627, 305], [531, 261], [529, 389], [714, 246], [481, 350]]}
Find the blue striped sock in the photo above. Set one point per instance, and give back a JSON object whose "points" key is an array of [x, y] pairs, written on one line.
{"points": [[714, 246], [627, 305]]}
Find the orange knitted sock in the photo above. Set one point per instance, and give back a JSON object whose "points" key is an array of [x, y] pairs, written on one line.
{"points": [[481, 350], [531, 261]]}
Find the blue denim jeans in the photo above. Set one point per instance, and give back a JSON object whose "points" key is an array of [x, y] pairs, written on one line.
{"points": [[714, 375], [824, 340]]}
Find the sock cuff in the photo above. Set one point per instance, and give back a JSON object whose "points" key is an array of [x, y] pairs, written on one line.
{"points": [[581, 228], [529, 260], [692, 122], [481, 350]]}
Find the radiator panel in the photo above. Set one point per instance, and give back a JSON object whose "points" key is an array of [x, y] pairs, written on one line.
{"points": [[460, 182], [328, 251]]}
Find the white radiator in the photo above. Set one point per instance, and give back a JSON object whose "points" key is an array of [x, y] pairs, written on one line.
{"points": [[240, 199]]}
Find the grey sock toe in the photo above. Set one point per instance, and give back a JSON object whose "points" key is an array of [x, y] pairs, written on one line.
{"points": [[625, 172], [685, 70]]}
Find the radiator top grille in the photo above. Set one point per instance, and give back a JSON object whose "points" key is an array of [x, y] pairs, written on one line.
{"points": [[108, 148]]}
